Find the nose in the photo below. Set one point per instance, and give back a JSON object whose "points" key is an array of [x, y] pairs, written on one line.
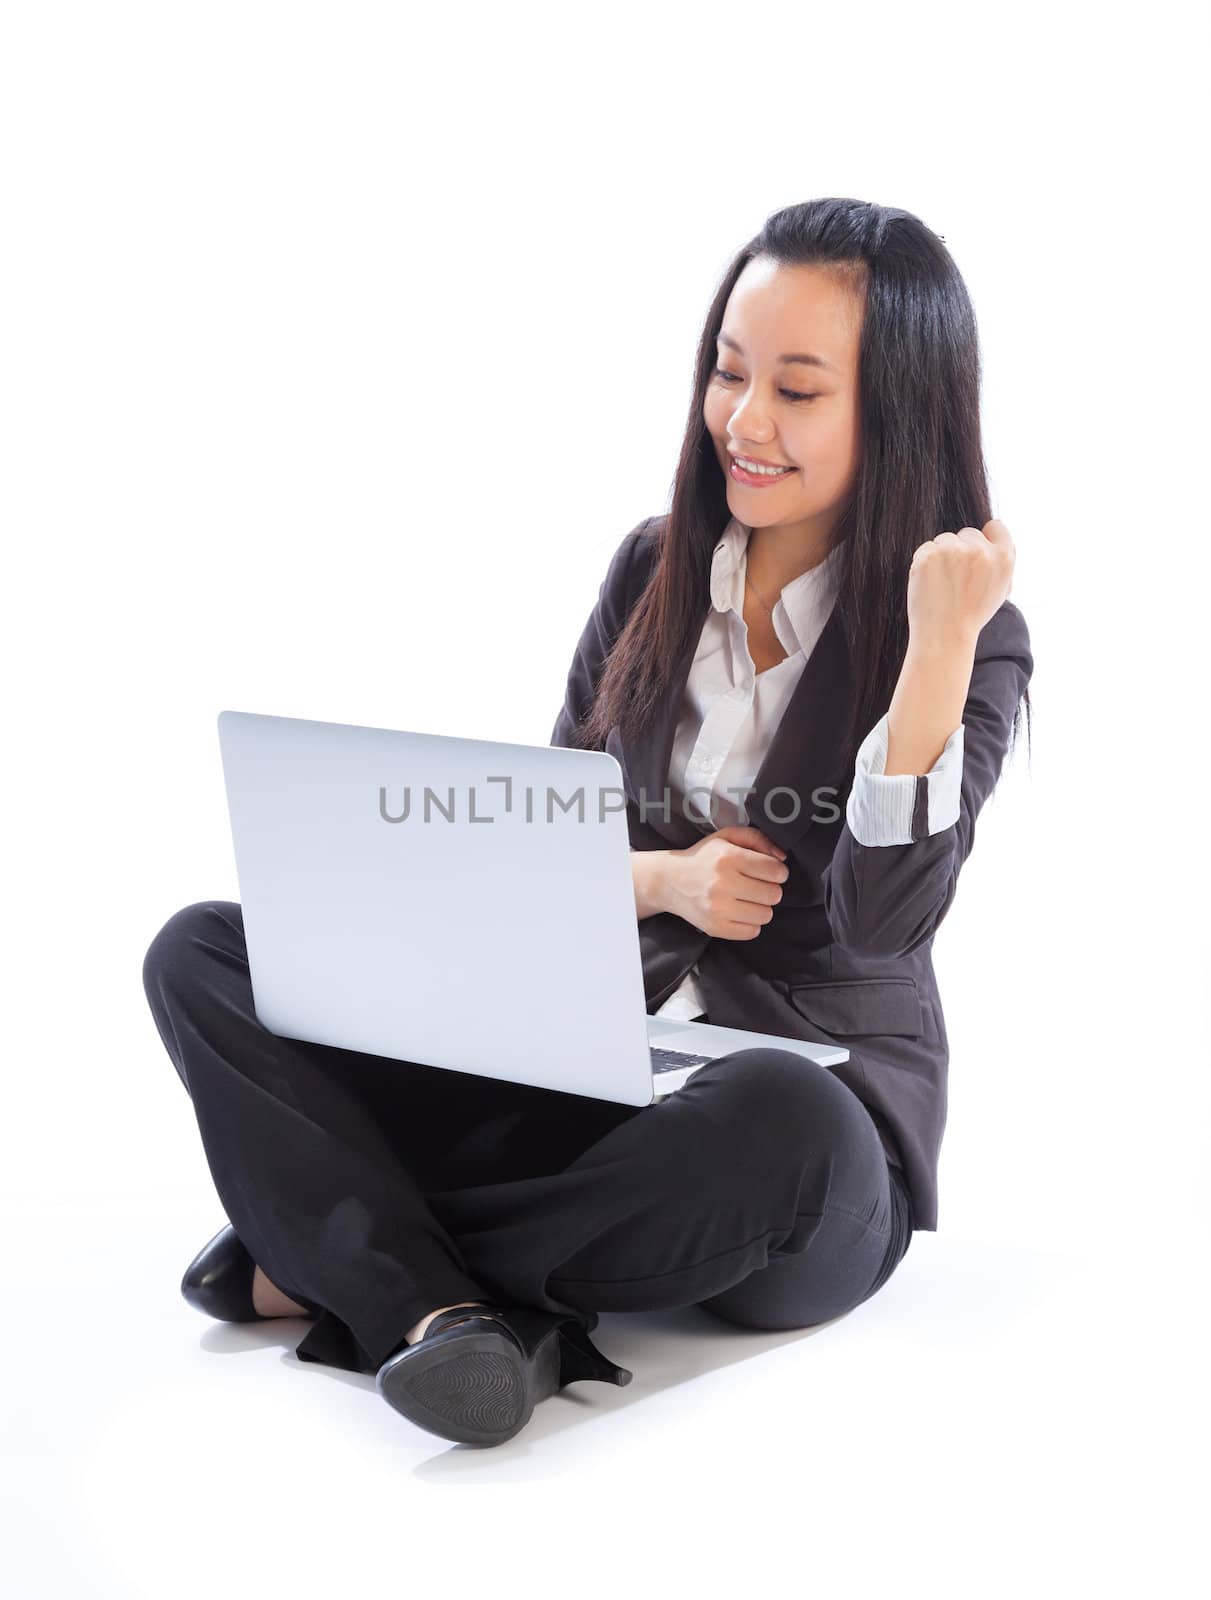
{"points": [[747, 422]]}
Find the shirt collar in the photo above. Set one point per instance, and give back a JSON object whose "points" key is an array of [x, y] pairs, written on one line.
{"points": [[806, 601]]}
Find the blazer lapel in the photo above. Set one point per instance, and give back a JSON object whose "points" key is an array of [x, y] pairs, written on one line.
{"points": [[803, 755]]}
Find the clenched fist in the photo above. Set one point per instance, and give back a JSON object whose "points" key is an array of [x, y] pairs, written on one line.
{"points": [[727, 884], [958, 581]]}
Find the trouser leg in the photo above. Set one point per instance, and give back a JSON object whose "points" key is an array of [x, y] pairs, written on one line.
{"points": [[760, 1190], [304, 1168], [377, 1190]]}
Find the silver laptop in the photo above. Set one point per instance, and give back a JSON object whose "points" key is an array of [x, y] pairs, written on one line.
{"points": [[461, 903]]}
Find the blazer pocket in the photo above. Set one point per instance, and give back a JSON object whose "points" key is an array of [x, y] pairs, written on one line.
{"points": [[861, 1005]]}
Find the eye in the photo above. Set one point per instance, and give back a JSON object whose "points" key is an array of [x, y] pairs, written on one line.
{"points": [[791, 394]]}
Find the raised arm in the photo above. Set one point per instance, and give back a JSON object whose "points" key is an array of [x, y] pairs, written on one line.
{"points": [[908, 831]]}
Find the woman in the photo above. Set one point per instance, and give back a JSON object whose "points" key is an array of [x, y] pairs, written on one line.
{"points": [[810, 672]]}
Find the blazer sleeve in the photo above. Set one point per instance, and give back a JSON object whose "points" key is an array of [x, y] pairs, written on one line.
{"points": [[885, 900], [606, 622]]}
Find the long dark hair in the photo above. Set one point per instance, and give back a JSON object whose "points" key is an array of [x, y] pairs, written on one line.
{"points": [[922, 469]]}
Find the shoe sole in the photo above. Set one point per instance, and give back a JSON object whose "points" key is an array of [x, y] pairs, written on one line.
{"points": [[471, 1389]]}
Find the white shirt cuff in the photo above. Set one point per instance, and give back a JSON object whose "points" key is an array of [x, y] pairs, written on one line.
{"points": [[880, 809]]}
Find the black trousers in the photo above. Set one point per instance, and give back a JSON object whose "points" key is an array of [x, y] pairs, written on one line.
{"points": [[373, 1191]]}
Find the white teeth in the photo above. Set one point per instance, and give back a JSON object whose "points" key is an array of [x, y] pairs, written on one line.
{"points": [[765, 472]]}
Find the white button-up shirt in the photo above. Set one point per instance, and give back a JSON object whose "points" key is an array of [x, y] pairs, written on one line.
{"points": [[730, 711]]}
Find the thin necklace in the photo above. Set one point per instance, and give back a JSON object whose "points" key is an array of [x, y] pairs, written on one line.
{"points": [[753, 587]]}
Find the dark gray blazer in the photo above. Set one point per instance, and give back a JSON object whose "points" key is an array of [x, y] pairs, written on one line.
{"points": [[847, 957]]}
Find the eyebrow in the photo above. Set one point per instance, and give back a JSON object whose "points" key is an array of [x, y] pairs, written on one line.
{"points": [[803, 360]]}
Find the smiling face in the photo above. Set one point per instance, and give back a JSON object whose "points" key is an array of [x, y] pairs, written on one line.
{"points": [[802, 414]]}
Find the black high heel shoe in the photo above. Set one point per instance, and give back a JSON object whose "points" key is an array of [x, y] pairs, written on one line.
{"points": [[218, 1280], [478, 1372]]}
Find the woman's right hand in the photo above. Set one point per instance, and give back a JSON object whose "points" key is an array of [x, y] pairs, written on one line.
{"points": [[728, 883]]}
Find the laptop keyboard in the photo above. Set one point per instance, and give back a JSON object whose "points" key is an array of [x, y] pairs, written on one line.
{"points": [[675, 1060]]}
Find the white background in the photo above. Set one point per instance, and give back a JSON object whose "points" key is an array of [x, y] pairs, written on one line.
{"points": [[342, 344]]}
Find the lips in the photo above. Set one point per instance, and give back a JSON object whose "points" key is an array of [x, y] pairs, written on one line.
{"points": [[759, 460]]}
